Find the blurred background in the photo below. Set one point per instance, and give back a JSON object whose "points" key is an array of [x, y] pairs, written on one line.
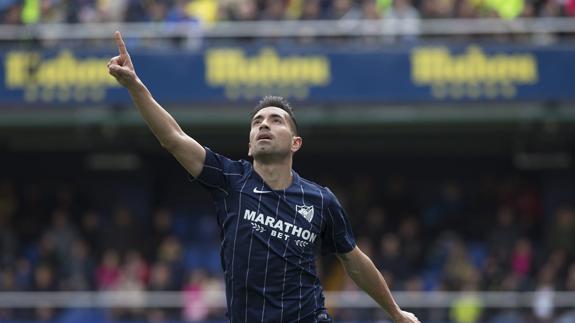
{"points": [[445, 127]]}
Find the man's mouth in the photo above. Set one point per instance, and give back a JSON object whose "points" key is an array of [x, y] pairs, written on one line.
{"points": [[264, 136]]}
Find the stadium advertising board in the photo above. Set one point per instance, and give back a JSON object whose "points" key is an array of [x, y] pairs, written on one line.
{"points": [[220, 75]]}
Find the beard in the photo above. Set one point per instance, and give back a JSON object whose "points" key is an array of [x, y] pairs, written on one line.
{"points": [[268, 153]]}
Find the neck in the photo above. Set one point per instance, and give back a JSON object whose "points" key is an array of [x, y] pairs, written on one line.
{"points": [[277, 174]]}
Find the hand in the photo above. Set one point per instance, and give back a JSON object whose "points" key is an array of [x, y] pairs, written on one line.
{"points": [[405, 317], [121, 66]]}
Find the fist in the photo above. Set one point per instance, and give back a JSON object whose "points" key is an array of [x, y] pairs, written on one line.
{"points": [[121, 66]]}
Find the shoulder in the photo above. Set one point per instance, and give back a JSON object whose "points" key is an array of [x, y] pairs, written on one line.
{"points": [[313, 186], [222, 171], [226, 163], [324, 191]]}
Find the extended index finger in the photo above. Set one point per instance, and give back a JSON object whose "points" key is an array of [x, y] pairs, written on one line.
{"points": [[120, 43]]}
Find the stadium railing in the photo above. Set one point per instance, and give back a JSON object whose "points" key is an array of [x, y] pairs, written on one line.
{"points": [[216, 299]]}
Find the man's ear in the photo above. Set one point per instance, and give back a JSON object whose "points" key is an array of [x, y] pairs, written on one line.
{"points": [[249, 149], [296, 143]]}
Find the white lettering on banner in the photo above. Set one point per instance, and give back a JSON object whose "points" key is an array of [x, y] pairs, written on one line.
{"points": [[281, 230]]}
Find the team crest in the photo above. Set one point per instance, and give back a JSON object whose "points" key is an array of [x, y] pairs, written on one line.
{"points": [[306, 211]]}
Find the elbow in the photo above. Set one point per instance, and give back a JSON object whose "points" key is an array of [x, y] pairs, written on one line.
{"points": [[351, 268], [353, 272]]}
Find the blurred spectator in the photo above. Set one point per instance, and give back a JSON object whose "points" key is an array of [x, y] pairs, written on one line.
{"points": [[195, 308], [390, 258], [493, 274], [161, 278], [466, 309], [370, 10], [23, 273], [458, 267], [11, 13], [170, 253], [402, 17], [570, 281], [8, 241], [311, 10], [179, 12], [78, 269], [543, 300], [503, 235], [447, 208], [439, 8], [570, 7], [561, 234], [522, 258], [134, 272], [344, 9], [157, 11], [45, 314], [162, 227], [8, 200], [32, 214], [402, 9], [108, 271], [206, 11], [273, 10], [361, 198], [136, 11], [528, 205], [397, 199], [557, 261], [47, 253], [112, 10], [411, 246], [246, 10], [550, 8], [375, 224], [8, 280], [86, 12], [91, 231], [62, 233], [44, 280], [123, 234]]}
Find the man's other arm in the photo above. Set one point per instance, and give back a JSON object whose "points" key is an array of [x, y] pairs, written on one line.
{"points": [[364, 273], [185, 149]]}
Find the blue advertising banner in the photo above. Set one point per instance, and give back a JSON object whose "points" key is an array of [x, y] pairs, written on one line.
{"points": [[223, 75]]}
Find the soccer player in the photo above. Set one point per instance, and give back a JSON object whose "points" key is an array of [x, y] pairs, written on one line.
{"points": [[270, 218]]}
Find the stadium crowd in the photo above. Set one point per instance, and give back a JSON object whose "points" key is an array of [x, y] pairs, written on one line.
{"points": [[210, 11], [498, 234]]}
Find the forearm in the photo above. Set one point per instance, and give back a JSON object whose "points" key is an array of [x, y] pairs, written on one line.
{"points": [[364, 273], [160, 122]]}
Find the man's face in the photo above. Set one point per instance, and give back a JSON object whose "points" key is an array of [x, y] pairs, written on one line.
{"points": [[271, 135]]}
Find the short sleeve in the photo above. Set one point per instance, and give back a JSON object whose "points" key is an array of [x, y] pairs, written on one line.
{"points": [[219, 172], [337, 237]]}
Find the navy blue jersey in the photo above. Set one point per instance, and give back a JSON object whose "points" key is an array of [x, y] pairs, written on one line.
{"points": [[268, 241]]}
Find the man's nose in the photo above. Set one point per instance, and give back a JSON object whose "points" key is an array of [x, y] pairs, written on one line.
{"points": [[264, 125]]}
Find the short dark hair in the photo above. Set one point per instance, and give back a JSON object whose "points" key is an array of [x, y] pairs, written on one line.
{"points": [[278, 102]]}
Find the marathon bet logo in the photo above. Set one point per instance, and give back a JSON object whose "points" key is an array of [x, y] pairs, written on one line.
{"points": [[280, 229], [306, 211]]}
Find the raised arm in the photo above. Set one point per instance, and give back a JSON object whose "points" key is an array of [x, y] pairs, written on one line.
{"points": [[170, 135], [364, 273]]}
